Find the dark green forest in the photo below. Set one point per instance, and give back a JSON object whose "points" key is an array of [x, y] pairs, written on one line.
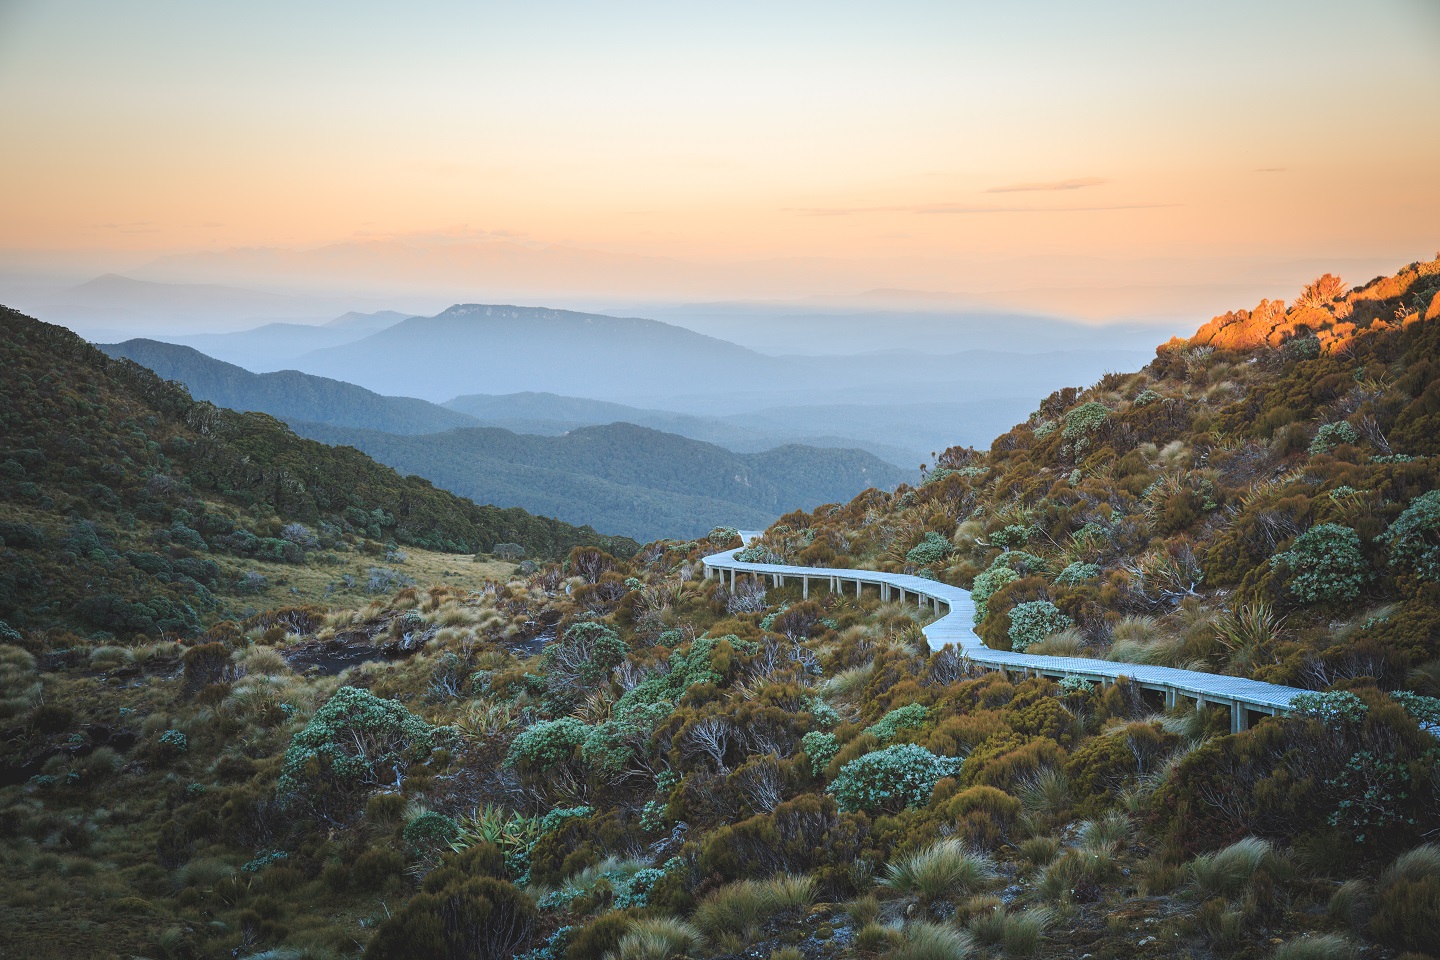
{"points": [[624, 478]]}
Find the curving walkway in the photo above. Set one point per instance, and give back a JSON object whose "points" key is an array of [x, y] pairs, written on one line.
{"points": [[956, 627]]}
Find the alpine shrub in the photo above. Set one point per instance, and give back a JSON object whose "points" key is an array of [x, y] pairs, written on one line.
{"points": [[1078, 573], [1414, 537], [1085, 420], [912, 716], [820, 748], [1331, 709], [987, 584], [543, 745], [1326, 565], [1033, 621], [932, 548], [1425, 710], [891, 779], [430, 832], [1331, 435], [355, 741]]}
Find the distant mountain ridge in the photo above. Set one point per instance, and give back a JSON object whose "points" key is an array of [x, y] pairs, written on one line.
{"points": [[501, 349], [619, 477], [288, 394], [623, 477], [505, 349]]}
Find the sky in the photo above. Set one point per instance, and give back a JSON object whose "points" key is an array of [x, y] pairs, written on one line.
{"points": [[768, 149]]}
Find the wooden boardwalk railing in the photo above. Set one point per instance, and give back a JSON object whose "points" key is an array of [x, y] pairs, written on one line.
{"points": [[956, 627]]}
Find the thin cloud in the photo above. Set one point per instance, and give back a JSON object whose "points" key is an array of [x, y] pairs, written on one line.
{"points": [[1271, 169], [959, 208], [1079, 183]]}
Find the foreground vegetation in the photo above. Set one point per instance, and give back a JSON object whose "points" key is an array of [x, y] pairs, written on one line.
{"points": [[612, 757]]}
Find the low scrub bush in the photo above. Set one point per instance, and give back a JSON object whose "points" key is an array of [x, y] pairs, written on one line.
{"points": [[891, 779]]}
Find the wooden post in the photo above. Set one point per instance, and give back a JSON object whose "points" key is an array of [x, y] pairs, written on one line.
{"points": [[805, 588]]}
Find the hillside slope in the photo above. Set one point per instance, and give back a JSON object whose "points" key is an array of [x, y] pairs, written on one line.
{"points": [[621, 477], [1259, 500], [125, 505], [287, 394]]}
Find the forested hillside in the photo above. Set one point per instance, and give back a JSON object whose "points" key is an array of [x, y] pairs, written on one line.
{"points": [[618, 759], [287, 394], [621, 478], [129, 507]]}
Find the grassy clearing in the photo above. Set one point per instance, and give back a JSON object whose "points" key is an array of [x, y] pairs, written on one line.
{"points": [[322, 583]]}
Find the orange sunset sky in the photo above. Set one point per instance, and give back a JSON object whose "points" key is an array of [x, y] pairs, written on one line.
{"points": [[719, 149]]}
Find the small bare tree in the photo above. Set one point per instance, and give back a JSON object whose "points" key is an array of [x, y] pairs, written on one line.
{"points": [[711, 737]]}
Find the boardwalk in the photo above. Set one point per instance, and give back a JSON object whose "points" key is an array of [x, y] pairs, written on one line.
{"points": [[956, 627]]}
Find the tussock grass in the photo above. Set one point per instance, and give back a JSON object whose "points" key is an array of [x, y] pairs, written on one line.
{"points": [[204, 872], [947, 868], [1248, 635], [1161, 652], [1066, 643], [265, 661], [657, 938], [987, 926], [1414, 865], [1076, 867], [740, 908], [1046, 792], [1350, 904], [847, 682], [1040, 851], [864, 910], [932, 941], [872, 938], [455, 615], [1024, 931], [1229, 872], [111, 658], [1325, 946], [1158, 878], [1105, 833]]}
